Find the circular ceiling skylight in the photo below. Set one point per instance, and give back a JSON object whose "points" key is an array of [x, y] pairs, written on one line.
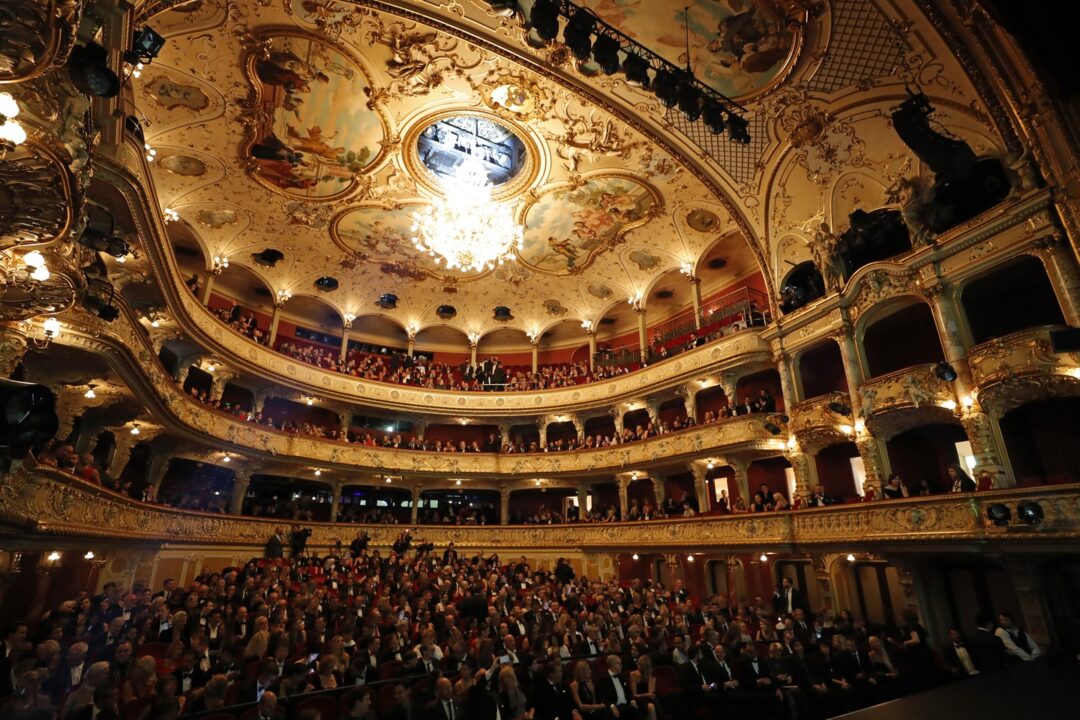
{"points": [[445, 144]]}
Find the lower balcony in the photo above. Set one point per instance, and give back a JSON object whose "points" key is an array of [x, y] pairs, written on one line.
{"points": [[40, 501], [904, 399]]}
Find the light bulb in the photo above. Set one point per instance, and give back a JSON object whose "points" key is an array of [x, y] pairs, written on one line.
{"points": [[9, 108], [51, 327], [41, 274], [310, 402], [155, 323], [387, 480], [764, 557], [689, 558], [135, 430], [89, 555], [457, 482], [949, 404], [90, 394], [635, 556], [12, 132], [851, 557], [318, 473], [34, 259], [54, 556], [226, 458]]}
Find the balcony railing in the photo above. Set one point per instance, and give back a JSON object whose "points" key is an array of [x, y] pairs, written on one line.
{"points": [[45, 501]]}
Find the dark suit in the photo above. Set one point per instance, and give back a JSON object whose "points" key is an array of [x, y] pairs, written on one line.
{"points": [[606, 693], [436, 710], [780, 602], [549, 701], [406, 712], [250, 692], [480, 704], [986, 651], [274, 547]]}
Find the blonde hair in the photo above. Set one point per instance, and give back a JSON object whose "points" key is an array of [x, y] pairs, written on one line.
{"points": [[507, 679], [258, 646]]}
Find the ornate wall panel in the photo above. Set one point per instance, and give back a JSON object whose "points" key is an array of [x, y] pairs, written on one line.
{"points": [[1021, 367]]}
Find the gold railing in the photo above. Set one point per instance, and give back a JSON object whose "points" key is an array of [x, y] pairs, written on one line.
{"points": [[124, 342], [45, 501], [816, 425], [911, 387]]}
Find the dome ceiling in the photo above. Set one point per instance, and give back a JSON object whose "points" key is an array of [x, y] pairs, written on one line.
{"points": [[307, 129]]}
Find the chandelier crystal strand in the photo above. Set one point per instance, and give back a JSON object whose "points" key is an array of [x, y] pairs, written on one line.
{"points": [[466, 229]]}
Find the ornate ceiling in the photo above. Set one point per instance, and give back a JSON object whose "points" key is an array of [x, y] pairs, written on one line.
{"points": [[293, 124]]}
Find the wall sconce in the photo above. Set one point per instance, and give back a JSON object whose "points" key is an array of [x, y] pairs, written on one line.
{"points": [[90, 394], [50, 330], [635, 556], [949, 405], [283, 296], [635, 300], [170, 215], [12, 133], [764, 558], [318, 472], [52, 560], [846, 429], [135, 429], [221, 263], [348, 317], [687, 269], [586, 325], [851, 557], [151, 153]]}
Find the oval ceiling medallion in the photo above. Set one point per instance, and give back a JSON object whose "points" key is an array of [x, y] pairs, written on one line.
{"points": [[444, 145], [313, 131]]}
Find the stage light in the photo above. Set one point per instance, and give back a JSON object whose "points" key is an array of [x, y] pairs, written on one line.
{"points": [[999, 514], [738, 129], [145, 46], [27, 416], [88, 69], [690, 100], [666, 87], [605, 51], [945, 371], [1030, 512], [839, 408], [544, 18], [636, 69], [773, 428], [713, 115], [577, 35], [505, 8]]}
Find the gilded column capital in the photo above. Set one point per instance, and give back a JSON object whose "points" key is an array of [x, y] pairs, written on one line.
{"points": [[13, 341]]}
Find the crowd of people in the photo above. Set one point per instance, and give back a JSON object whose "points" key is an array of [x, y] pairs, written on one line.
{"points": [[244, 323], [413, 634]]}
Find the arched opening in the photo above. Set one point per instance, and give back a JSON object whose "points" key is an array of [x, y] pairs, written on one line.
{"points": [[103, 448], [473, 436], [769, 476], [635, 419], [511, 347], [539, 506], [641, 492], [923, 454], [670, 298], [198, 380], [672, 412], [289, 415], [288, 498], [443, 344], [821, 370], [761, 390], [1041, 440], [800, 287], [710, 400], [679, 490], [1011, 298], [192, 485], [835, 471], [310, 331], [902, 339], [560, 435], [234, 397], [600, 426], [133, 475], [975, 586], [376, 334], [605, 495], [564, 343], [526, 437], [458, 507], [242, 300], [870, 237], [375, 504], [617, 340]]}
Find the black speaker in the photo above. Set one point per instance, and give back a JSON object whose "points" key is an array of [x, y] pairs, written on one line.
{"points": [[1067, 340]]}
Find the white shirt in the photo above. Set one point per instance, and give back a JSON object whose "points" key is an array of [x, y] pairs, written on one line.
{"points": [[448, 709], [1013, 649], [76, 675], [620, 696], [965, 659]]}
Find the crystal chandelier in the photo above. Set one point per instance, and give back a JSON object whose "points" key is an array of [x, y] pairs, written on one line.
{"points": [[465, 228]]}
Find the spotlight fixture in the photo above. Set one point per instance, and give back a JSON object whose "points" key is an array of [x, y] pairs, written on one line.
{"points": [[839, 408], [999, 514], [666, 87], [690, 100], [145, 46], [772, 428], [544, 18], [713, 116], [945, 371], [738, 129], [577, 35], [605, 52], [387, 301], [88, 69], [636, 69], [1030, 512]]}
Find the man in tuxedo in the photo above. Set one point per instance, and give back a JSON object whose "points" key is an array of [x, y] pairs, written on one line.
{"points": [[444, 706], [548, 699], [1019, 645], [611, 691], [15, 643], [168, 592], [268, 709], [987, 650], [755, 678], [189, 676], [786, 598], [404, 708], [590, 645], [69, 675], [702, 688], [265, 683]]}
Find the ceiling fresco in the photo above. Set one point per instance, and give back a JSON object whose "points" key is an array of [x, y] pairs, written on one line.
{"points": [[298, 125]]}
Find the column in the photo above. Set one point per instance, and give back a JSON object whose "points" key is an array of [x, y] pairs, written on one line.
{"points": [[504, 504], [977, 424], [643, 334], [66, 414], [583, 499], [541, 426], [88, 435], [124, 443], [217, 385], [345, 420], [1060, 264], [579, 427], [504, 432], [335, 500], [535, 354], [472, 352], [260, 400], [787, 381], [732, 580], [155, 474], [241, 481], [592, 349], [701, 486], [412, 343], [617, 415], [652, 406], [182, 373], [729, 383], [658, 488], [419, 427], [274, 320], [208, 287], [12, 348], [689, 398], [415, 509], [870, 448], [623, 482], [45, 573], [805, 471], [742, 478], [344, 343], [695, 297]]}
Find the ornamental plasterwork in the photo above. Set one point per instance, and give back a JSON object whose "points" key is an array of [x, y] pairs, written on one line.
{"points": [[51, 503], [902, 399], [816, 426], [1022, 367]]}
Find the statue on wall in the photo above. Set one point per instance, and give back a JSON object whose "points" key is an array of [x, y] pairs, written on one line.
{"points": [[828, 261], [910, 195]]}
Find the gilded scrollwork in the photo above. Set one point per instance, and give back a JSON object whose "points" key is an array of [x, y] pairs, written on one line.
{"points": [[50, 502]]}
